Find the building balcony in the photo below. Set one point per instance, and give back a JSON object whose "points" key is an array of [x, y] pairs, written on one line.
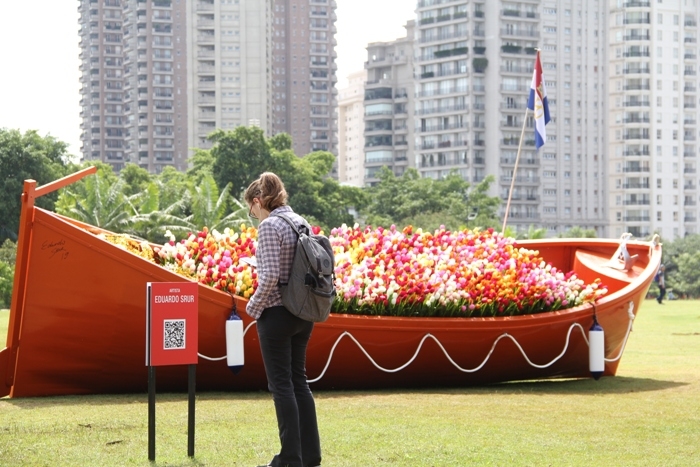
{"points": [[441, 92], [635, 71], [516, 69], [637, 37], [511, 161], [445, 109], [453, 126], [635, 104], [443, 37], [637, 87], [509, 32], [636, 202], [443, 145], [636, 53]]}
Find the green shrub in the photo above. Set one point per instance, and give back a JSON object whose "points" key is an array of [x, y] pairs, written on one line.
{"points": [[7, 274]]}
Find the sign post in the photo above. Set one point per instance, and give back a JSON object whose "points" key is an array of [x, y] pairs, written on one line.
{"points": [[171, 339]]}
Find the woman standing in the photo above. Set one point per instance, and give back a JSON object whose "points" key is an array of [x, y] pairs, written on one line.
{"points": [[283, 337]]}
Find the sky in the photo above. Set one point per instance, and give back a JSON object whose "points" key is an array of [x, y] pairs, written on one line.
{"points": [[39, 75]]}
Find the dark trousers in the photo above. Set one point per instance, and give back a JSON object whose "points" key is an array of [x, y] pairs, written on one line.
{"points": [[662, 294], [283, 341]]}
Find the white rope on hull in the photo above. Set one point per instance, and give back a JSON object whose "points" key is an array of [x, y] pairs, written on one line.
{"points": [[630, 313]]}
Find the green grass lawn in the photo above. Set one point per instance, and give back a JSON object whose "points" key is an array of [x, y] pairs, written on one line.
{"points": [[648, 415]]}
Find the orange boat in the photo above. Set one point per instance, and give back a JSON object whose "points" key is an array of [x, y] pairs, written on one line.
{"points": [[78, 322]]}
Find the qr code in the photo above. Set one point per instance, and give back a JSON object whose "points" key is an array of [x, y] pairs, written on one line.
{"points": [[174, 334]]}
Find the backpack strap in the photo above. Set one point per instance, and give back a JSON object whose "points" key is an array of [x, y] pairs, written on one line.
{"points": [[290, 222]]}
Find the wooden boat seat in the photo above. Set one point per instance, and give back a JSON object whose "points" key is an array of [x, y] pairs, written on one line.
{"points": [[591, 265]]}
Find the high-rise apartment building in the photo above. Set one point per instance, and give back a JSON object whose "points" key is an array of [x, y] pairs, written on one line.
{"points": [[228, 76], [473, 73], [158, 76], [155, 86], [653, 121], [303, 68], [102, 81], [351, 127], [133, 83], [389, 105], [622, 80]]}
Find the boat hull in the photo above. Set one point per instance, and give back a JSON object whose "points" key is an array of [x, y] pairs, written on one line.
{"points": [[81, 328]]}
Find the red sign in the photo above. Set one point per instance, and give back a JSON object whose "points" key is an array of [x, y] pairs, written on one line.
{"points": [[171, 323]]}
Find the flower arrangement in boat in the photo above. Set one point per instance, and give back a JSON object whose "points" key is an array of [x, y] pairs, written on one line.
{"points": [[395, 272], [213, 258], [442, 273]]}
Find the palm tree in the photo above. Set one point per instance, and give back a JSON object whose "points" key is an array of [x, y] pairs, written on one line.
{"points": [[102, 204]]}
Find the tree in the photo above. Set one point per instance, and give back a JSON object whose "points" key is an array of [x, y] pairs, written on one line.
{"points": [[99, 200], [578, 232], [209, 208], [202, 163], [482, 209], [8, 252], [313, 193], [27, 156], [281, 142], [682, 280], [426, 203], [240, 156], [173, 185], [136, 179], [687, 277], [8, 255], [7, 274]]}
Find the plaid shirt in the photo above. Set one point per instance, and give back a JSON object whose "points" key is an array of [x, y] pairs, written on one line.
{"points": [[274, 253]]}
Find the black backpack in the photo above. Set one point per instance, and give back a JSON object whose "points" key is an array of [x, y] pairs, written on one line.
{"points": [[310, 291]]}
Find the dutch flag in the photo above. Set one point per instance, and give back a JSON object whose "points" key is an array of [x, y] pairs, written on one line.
{"points": [[538, 103]]}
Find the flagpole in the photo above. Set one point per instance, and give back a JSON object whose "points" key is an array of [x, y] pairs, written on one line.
{"points": [[515, 172]]}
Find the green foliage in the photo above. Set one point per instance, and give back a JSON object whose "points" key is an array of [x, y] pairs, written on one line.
{"points": [[687, 277], [136, 179], [312, 192], [240, 156], [173, 185], [22, 157], [680, 257], [209, 207], [480, 64], [202, 165], [7, 275], [8, 256], [8, 252], [427, 203], [281, 142], [99, 200], [532, 233], [578, 232]]}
